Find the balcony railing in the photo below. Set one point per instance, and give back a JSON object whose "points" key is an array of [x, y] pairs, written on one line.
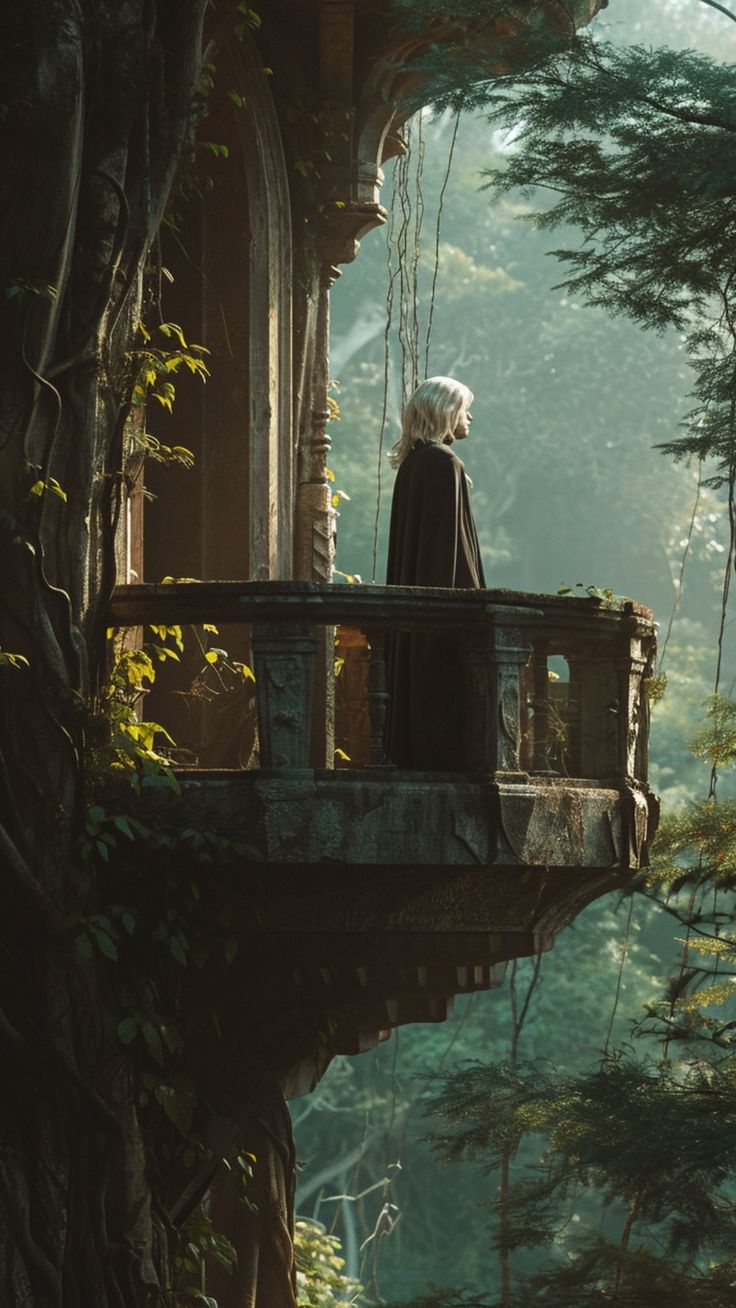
{"points": [[553, 686]]}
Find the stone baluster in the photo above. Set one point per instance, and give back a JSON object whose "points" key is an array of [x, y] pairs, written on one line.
{"points": [[284, 658], [512, 650], [493, 667]]}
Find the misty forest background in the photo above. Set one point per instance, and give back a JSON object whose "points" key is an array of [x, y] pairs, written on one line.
{"points": [[568, 488]]}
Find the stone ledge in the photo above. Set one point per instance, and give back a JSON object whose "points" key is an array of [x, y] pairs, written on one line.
{"points": [[388, 818]]}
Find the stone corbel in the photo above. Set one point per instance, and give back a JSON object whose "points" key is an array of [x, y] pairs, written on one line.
{"points": [[343, 224]]}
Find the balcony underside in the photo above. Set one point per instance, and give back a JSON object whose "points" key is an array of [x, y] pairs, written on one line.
{"points": [[389, 851]]}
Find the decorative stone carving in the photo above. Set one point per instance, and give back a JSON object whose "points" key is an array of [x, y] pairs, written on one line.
{"points": [[511, 651], [284, 657]]}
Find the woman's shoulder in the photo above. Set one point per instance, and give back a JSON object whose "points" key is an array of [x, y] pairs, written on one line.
{"points": [[433, 454]]}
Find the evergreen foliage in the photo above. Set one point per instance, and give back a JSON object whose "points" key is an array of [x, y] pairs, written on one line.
{"points": [[631, 1185], [637, 148]]}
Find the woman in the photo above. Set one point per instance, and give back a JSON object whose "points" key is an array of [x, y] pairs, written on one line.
{"points": [[432, 542]]}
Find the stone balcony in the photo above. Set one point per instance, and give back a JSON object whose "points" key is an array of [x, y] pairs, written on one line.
{"points": [[390, 891]]}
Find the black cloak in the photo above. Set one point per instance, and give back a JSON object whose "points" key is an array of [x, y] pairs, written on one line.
{"points": [[432, 542]]}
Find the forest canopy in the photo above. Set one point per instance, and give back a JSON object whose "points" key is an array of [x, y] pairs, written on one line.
{"points": [[595, 1135]]}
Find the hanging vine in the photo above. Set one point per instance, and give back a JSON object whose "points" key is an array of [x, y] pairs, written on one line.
{"points": [[411, 327]]}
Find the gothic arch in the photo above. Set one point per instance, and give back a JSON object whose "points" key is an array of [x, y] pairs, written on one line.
{"points": [[232, 291]]}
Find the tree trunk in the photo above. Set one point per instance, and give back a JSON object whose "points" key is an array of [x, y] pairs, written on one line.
{"points": [[98, 104]]}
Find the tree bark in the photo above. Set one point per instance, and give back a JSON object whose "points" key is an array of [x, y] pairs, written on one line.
{"points": [[97, 107]]}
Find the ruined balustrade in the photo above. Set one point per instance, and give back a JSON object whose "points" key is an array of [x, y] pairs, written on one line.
{"points": [[522, 717], [555, 727]]}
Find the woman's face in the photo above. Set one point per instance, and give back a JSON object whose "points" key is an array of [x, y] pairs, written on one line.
{"points": [[462, 428]]}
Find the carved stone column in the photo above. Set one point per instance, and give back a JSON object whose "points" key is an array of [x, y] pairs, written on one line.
{"points": [[314, 531], [631, 708], [512, 648], [315, 516], [284, 657], [493, 664], [609, 685]]}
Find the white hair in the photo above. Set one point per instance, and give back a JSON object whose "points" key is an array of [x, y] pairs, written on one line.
{"points": [[431, 415]]}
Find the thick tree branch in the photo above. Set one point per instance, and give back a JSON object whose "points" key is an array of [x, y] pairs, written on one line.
{"points": [[714, 4]]}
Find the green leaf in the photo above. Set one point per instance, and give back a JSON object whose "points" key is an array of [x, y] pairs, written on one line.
{"points": [[106, 945], [231, 949], [177, 950], [216, 148], [153, 1040], [127, 1030], [122, 824], [178, 1105]]}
